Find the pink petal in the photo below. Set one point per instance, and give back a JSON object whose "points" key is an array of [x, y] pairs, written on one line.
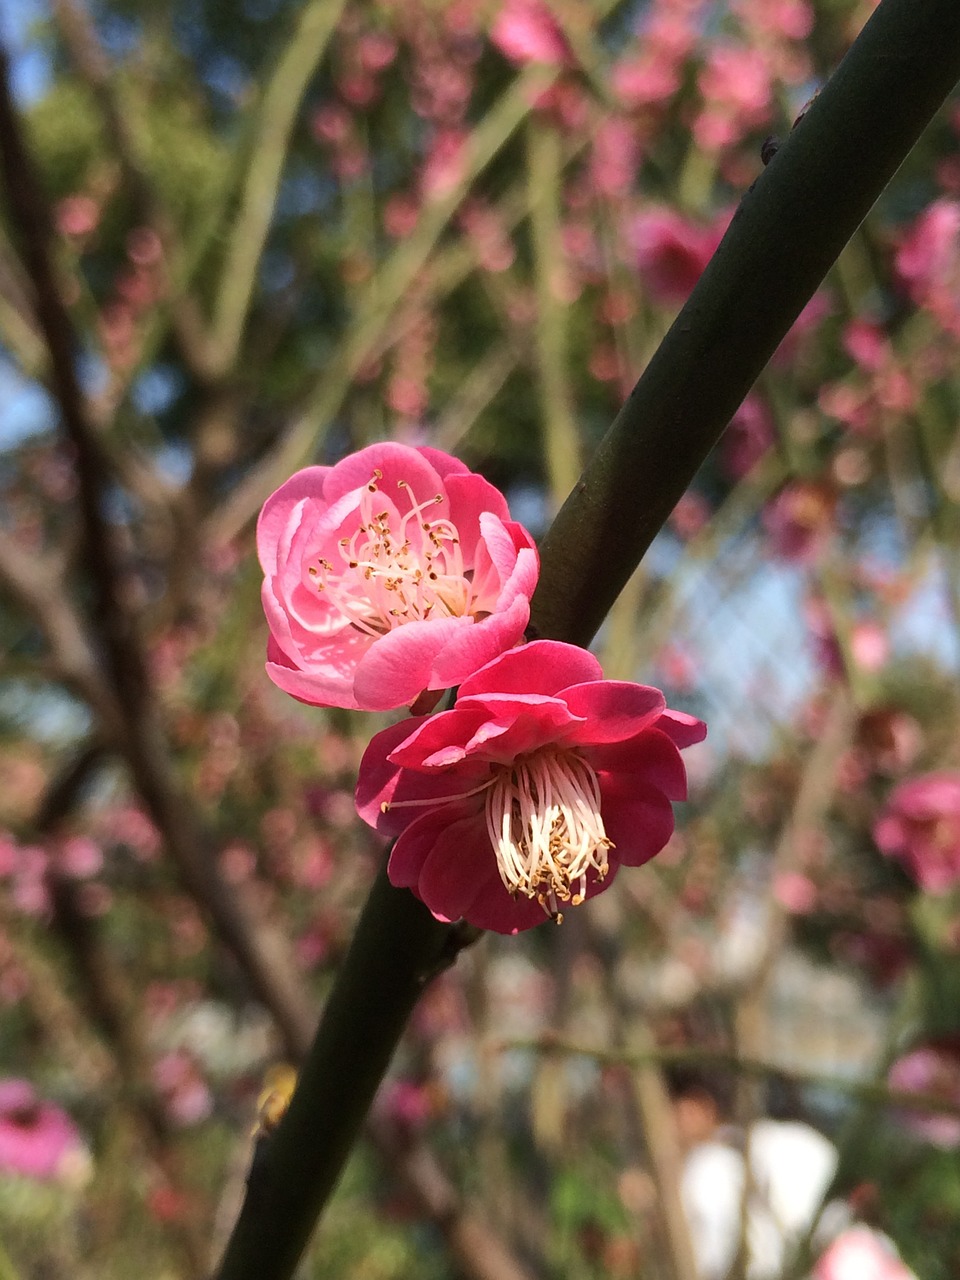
{"points": [[415, 843], [638, 819], [614, 709], [326, 685], [506, 565], [436, 733], [474, 502], [381, 781], [457, 868], [683, 729], [464, 651], [275, 515], [652, 759], [396, 462], [445, 464], [399, 665], [523, 724], [494, 908], [543, 666]]}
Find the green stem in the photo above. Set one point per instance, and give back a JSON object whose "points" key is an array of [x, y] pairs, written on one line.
{"points": [[281, 104]]}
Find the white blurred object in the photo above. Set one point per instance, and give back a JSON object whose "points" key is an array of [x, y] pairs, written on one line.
{"points": [[791, 1166], [862, 1254]]}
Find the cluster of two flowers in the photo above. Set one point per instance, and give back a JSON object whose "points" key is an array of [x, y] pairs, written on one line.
{"points": [[398, 572]]}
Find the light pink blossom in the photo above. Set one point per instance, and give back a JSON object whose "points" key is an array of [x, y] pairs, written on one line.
{"points": [[862, 1254], [395, 571], [37, 1138], [526, 31], [530, 793], [932, 1069], [920, 825]]}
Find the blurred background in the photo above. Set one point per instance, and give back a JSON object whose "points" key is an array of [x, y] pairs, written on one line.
{"points": [[277, 232]]}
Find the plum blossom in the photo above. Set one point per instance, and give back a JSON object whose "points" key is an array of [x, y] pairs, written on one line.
{"points": [[37, 1138], [932, 1069], [528, 795], [396, 571], [526, 31], [920, 825], [800, 520], [862, 1254], [671, 252]]}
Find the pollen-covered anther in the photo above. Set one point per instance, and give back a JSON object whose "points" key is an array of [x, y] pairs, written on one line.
{"points": [[397, 567], [544, 822]]}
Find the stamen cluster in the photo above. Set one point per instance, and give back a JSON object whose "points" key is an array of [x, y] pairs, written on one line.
{"points": [[511, 806]]}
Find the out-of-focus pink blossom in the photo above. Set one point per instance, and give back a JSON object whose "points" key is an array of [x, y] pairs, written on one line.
{"points": [[747, 438], [526, 31], [737, 93], [614, 157], [144, 247], [644, 80], [376, 50], [795, 892], [867, 344], [77, 216], [80, 857], [869, 645], [690, 515], [653, 73], [184, 1091], [928, 262], [29, 892], [800, 520], [783, 19], [8, 854], [671, 251], [920, 825], [932, 1069], [529, 794], [444, 165], [889, 738], [484, 225], [927, 254], [862, 1254], [395, 571], [400, 214], [37, 1138], [405, 1103]]}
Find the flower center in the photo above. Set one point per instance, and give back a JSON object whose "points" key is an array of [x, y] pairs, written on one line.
{"points": [[396, 568], [543, 818]]}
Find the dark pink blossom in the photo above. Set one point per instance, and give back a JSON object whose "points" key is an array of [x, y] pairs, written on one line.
{"points": [[614, 158], [800, 520], [395, 571], [920, 825], [37, 1138], [671, 251], [530, 793], [927, 254], [748, 437]]}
